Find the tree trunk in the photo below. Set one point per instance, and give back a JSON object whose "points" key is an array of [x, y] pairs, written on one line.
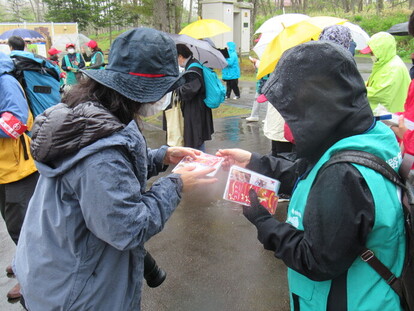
{"points": [[34, 11], [361, 5], [253, 18], [380, 5], [345, 6], [160, 15], [177, 8], [190, 12], [199, 8]]}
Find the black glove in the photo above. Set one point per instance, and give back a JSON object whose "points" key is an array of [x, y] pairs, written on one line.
{"points": [[255, 213]]}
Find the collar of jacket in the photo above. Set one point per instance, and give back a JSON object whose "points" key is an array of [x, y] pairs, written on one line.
{"points": [[62, 130]]}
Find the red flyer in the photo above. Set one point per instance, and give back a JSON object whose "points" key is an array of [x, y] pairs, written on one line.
{"points": [[241, 180]]}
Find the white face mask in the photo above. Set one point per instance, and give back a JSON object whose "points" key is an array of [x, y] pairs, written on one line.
{"points": [[373, 58], [71, 51], [150, 109]]}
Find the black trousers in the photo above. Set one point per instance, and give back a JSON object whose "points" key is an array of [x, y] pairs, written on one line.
{"points": [[232, 85], [14, 199]]}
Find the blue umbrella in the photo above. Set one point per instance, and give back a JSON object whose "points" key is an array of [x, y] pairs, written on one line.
{"points": [[26, 34]]}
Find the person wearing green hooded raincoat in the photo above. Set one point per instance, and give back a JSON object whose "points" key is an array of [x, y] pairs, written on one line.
{"points": [[388, 83]]}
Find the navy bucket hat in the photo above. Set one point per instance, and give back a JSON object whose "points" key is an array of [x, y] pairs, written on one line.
{"points": [[142, 66]]}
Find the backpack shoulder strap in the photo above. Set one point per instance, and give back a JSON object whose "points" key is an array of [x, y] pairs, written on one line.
{"points": [[368, 160], [379, 165], [195, 65]]}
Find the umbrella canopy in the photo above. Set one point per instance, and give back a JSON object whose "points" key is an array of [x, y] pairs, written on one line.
{"points": [[298, 33], [26, 34], [359, 35], [205, 28], [202, 50], [272, 27], [399, 29]]}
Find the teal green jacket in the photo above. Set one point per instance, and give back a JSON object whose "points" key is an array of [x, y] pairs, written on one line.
{"points": [[386, 238], [335, 213]]}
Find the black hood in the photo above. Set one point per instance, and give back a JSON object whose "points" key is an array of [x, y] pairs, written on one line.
{"points": [[318, 90]]}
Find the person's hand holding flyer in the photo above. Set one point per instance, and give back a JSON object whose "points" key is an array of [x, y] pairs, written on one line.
{"points": [[241, 180], [200, 162]]}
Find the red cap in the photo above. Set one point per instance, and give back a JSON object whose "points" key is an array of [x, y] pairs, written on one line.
{"points": [[68, 45], [53, 51], [92, 44], [367, 50]]}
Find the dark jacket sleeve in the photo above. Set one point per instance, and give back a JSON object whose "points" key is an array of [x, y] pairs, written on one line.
{"points": [[338, 217], [64, 65], [82, 62], [191, 88], [86, 57]]}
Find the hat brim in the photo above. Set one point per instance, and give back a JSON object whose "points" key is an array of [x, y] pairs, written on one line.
{"points": [[367, 50], [137, 88]]}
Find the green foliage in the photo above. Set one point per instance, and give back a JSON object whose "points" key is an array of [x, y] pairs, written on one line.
{"points": [[104, 39], [357, 18], [69, 11], [373, 23]]}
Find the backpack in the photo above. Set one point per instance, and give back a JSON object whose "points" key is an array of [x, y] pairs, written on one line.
{"points": [[215, 91], [403, 285], [40, 81]]}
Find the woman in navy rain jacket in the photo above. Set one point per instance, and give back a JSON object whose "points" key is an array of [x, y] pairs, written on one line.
{"points": [[82, 244]]}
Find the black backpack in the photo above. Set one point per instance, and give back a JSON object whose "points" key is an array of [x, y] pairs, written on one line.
{"points": [[403, 285]]}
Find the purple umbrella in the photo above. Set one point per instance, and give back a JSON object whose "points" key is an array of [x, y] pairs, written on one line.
{"points": [[26, 34]]}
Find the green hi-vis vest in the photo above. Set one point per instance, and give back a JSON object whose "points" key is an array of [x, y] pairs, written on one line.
{"points": [[367, 291], [93, 60], [70, 75]]}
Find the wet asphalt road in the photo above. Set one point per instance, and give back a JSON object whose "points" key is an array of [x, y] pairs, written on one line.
{"points": [[210, 252]]}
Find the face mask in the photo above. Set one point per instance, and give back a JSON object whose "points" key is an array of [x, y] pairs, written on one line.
{"points": [[373, 58], [150, 109], [71, 51]]}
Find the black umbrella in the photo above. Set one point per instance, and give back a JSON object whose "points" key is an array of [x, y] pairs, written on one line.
{"points": [[202, 50], [399, 29]]}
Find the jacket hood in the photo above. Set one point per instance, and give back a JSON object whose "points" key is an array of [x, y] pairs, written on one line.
{"points": [[6, 64], [231, 46], [383, 46], [318, 90], [61, 131]]}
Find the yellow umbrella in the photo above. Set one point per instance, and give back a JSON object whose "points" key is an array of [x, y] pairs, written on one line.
{"points": [[205, 28], [291, 36]]}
